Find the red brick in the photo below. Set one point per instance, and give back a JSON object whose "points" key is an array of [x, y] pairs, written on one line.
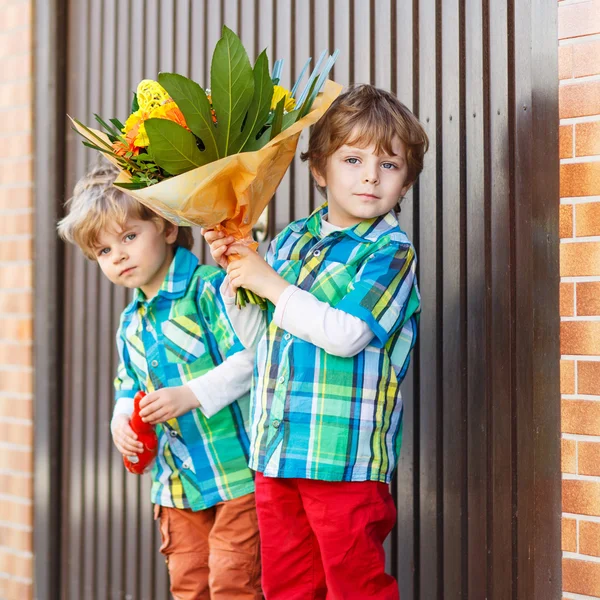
{"points": [[13, 16], [565, 141], [588, 377], [581, 577], [16, 381], [569, 535], [15, 42], [575, 20], [15, 589], [580, 337], [580, 179], [568, 456], [12, 250], [20, 408], [581, 417], [589, 458], [565, 62], [15, 302], [18, 171], [16, 120], [16, 93], [17, 67], [16, 539], [567, 307], [19, 486], [587, 219], [16, 224], [16, 564], [587, 138], [588, 298], [16, 145], [17, 513], [581, 497], [16, 198], [16, 433], [16, 354], [589, 538], [16, 329], [586, 58], [580, 259], [579, 99], [567, 376], [566, 221], [18, 276]]}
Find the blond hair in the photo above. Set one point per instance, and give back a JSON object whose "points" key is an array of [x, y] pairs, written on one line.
{"points": [[362, 116], [97, 204]]}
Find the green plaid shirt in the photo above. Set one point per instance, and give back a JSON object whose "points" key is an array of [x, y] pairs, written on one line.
{"points": [[319, 416], [178, 335]]}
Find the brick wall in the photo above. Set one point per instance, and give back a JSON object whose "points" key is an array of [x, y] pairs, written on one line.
{"points": [[579, 72], [16, 242]]}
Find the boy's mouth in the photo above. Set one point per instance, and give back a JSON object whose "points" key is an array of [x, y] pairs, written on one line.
{"points": [[126, 271], [373, 196]]}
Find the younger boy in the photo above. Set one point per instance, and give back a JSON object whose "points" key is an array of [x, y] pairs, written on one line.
{"points": [[175, 342], [332, 350]]}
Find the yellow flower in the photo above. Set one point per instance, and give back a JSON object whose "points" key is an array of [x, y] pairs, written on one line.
{"points": [[280, 92], [150, 94]]}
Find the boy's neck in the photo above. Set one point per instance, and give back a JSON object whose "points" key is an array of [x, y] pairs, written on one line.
{"points": [[150, 290]]}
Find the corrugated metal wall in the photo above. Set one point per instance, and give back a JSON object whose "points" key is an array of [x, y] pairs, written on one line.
{"points": [[478, 488]]}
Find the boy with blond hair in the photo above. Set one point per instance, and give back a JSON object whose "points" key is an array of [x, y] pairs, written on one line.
{"points": [[176, 343], [332, 350]]}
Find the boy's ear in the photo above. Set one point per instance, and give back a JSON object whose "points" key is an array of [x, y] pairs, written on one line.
{"points": [[405, 189], [171, 232], [321, 182]]}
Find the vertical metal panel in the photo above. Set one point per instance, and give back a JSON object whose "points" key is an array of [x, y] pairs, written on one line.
{"points": [[478, 485]]}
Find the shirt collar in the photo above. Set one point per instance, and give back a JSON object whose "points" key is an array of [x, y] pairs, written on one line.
{"points": [[176, 281], [369, 230]]}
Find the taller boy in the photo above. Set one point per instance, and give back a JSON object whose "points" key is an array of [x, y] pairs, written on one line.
{"points": [[327, 410]]}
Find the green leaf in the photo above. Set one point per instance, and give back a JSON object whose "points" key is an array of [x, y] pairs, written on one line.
{"points": [[277, 118], [303, 110], [260, 106], [193, 103], [131, 186], [232, 88], [134, 103], [173, 147], [118, 125], [289, 119]]}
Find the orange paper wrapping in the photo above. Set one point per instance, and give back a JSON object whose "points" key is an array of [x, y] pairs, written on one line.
{"points": [[233, 191]]}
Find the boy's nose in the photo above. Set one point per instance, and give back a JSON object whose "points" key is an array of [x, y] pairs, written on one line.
{"points": [[119, 256]]}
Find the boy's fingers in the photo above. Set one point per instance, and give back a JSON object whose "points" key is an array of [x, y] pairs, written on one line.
{"points": [[238, 249]]}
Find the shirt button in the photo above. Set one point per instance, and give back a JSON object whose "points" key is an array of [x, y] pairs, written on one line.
{"points": [[173, 433], [276, 423], [154, 363], [281, 380], [148, 327], [186, 464], [317, 253], [287, 336]]}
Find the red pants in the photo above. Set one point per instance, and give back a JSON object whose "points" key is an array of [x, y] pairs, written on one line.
{"points": [[324, 540]]}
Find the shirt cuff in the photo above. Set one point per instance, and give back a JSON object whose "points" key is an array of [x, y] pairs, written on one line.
{"points": [[207, 404], [279, 314], [226, 292], [123, 406]]}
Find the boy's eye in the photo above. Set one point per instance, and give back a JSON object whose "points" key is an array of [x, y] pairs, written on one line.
{"points": [[352, 161], [130, 236], [104, 252], [389, 166]]}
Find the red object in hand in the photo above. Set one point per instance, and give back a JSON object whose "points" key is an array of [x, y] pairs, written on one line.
{"points": [[139, 463]]}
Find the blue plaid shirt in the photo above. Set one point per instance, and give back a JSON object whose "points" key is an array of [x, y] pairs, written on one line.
{"points": [[319, 416], [178, 335]]}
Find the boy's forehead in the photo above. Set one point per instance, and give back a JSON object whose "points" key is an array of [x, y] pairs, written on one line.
{"points": [[397, 147]]}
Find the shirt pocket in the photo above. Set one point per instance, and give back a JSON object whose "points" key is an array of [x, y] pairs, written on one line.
{"points": [[333, 281], [183, 338]]}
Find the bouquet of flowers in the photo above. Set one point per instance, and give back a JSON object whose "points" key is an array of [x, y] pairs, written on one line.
{"points": [[214, 157]]}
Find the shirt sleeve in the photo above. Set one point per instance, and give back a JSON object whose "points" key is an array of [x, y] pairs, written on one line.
{"points": [[335, 331], [381, 292], [224, 384], [249, 322], [126, 383]]}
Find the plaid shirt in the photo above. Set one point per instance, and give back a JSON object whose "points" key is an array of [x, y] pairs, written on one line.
{"points": [[178, 335], [319, 416]]}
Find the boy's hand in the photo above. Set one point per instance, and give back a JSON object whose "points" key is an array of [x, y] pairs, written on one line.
{"points": [[124, 438], [167, 403], [251, 272], [219, 243]]}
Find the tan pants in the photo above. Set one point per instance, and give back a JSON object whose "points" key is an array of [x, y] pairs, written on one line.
{"points": [[212, 554]]}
